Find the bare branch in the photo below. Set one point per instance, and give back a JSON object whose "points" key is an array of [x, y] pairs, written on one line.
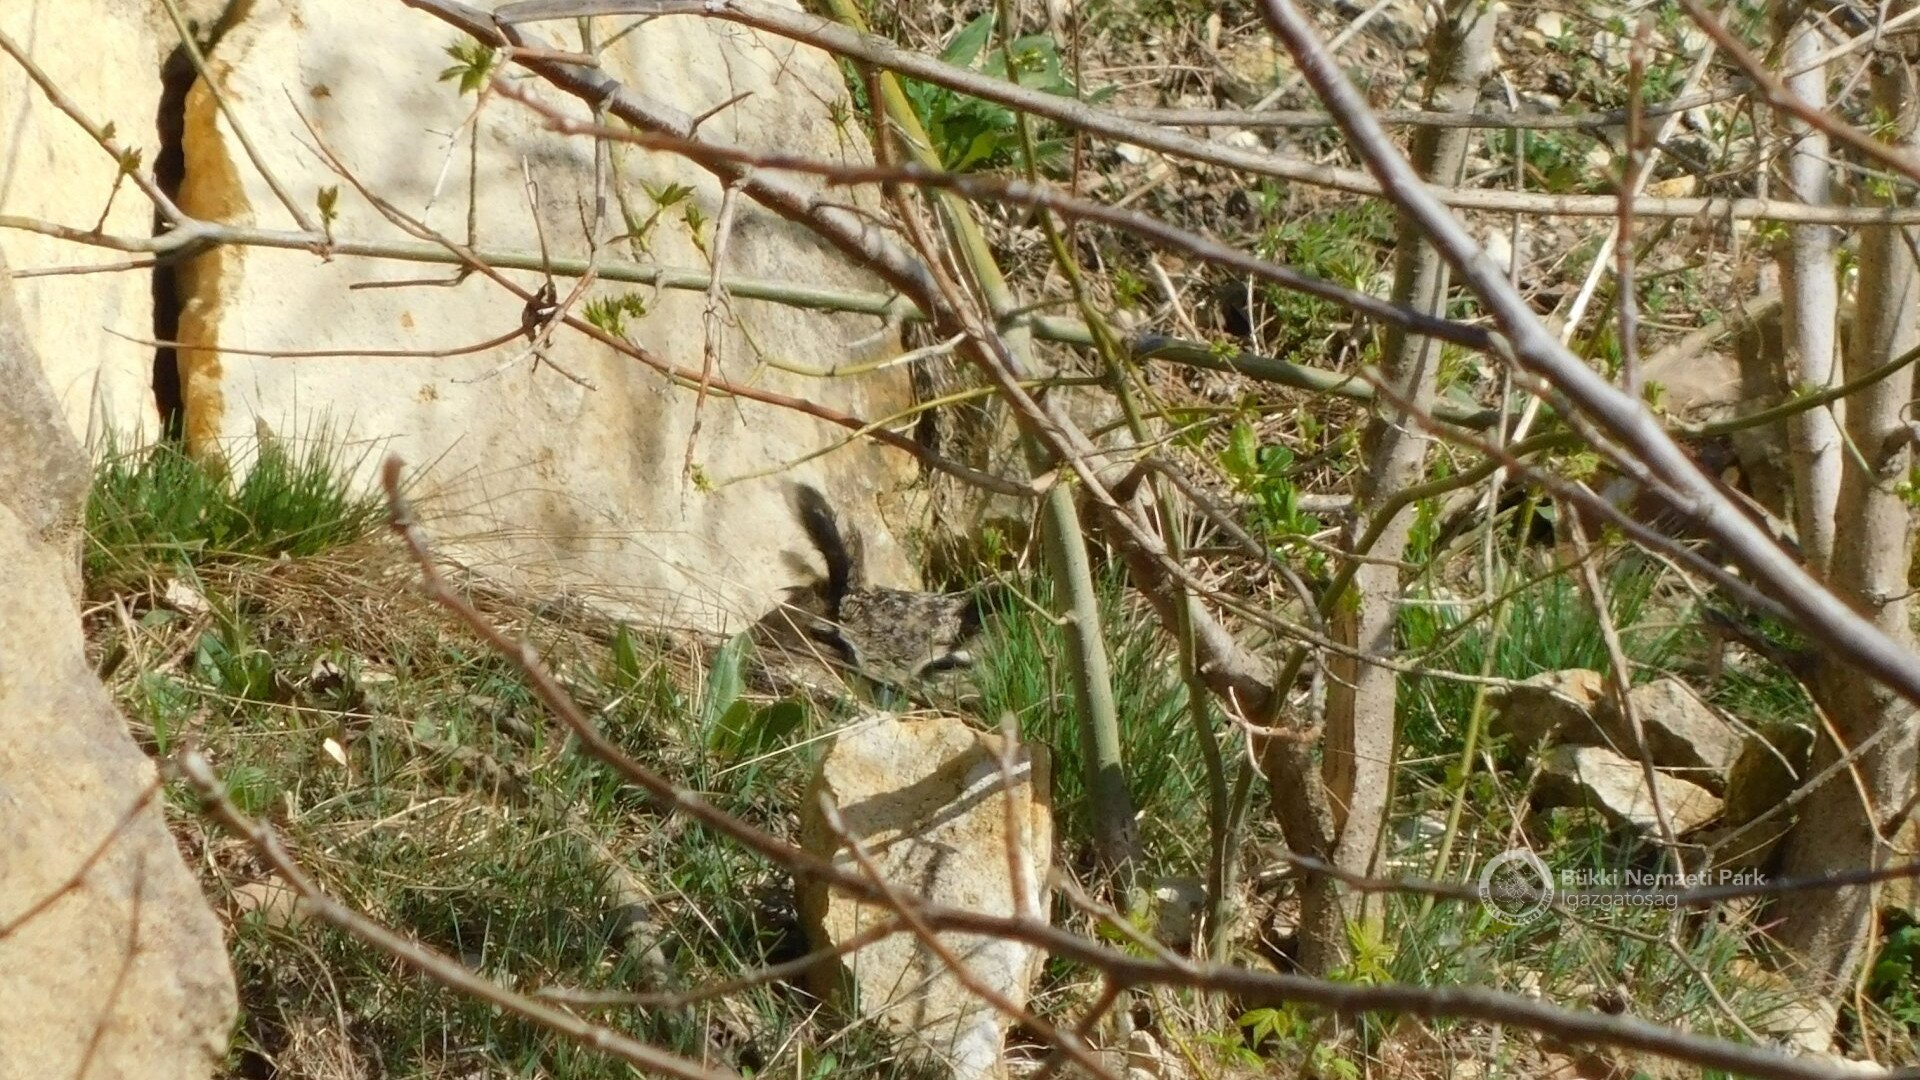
{"points": [[442, 969], [1120, 969], [100, 135], [1530, 347], [842, 41]]}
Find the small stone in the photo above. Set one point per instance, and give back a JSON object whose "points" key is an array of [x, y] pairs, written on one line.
{"points": [[1611, 49], [1803, 1022], [1675, 187], [1598, 777], [272, 901], [184, 598], [1554, 705], [1178, 904], [1499, 248], [1682, 731], [1148, 1060], [1242, 140]]}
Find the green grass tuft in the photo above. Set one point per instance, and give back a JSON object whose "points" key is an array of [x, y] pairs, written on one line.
{"points": [[160, 508], [1549, 626], [1023, 671]]}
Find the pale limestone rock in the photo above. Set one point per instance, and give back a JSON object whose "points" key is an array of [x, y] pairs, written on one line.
{"points": [[926, 799], [539, 482], [1179, 904], [270, 900], [132, 953], [1598, 777], [1804, 1023], [1148, 1060], [105, 56], [1556, 706], [1695, 387], [1682, 732]]}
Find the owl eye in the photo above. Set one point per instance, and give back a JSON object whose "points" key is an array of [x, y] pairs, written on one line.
{"points": [[951, 661]]}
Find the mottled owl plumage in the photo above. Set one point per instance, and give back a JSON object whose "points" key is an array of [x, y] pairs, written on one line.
{"points": [[893, 637]]}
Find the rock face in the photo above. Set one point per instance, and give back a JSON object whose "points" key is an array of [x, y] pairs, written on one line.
{"points": [[1772, 763], [538, 480], [53, 172], [129, 960], [1617, 787], [927, 801]]}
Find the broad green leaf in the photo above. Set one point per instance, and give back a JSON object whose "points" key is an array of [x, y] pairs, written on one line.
{"points": [[966, 45]]}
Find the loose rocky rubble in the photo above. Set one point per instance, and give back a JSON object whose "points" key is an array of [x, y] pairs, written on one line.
{"points": [[1709, 769]]}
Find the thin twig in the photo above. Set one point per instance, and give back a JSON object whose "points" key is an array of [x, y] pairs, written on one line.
{"points": [[1775, 92], [102, 136], [1643, 445], [200, 68], [79, 875], [436, 966], [867, 48]]}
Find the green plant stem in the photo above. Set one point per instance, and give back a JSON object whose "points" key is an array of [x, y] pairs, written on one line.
{"points": [[1470, 745], [1108, 346], [1063, 542]]}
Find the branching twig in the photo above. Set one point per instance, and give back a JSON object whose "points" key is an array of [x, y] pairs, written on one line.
{"points": [[1248, 986], [1530, 347], [79, 875], [867, 48], [125, 158], [199, 61], [436, 966]]}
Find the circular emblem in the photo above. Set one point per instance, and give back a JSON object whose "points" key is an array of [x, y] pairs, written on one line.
{"points": [[1517, 885]]}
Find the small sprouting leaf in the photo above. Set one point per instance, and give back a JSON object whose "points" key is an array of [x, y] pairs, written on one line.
{"points": [[669, 194], [628, 668], [744, 731], [328, 203], [473, 62], [724, 681], [984, 147], [610, 313], [1242, 458], [250, 788], [727, 733]]}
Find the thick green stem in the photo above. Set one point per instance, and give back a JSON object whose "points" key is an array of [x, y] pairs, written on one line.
{"points": [[1064, 542]]}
